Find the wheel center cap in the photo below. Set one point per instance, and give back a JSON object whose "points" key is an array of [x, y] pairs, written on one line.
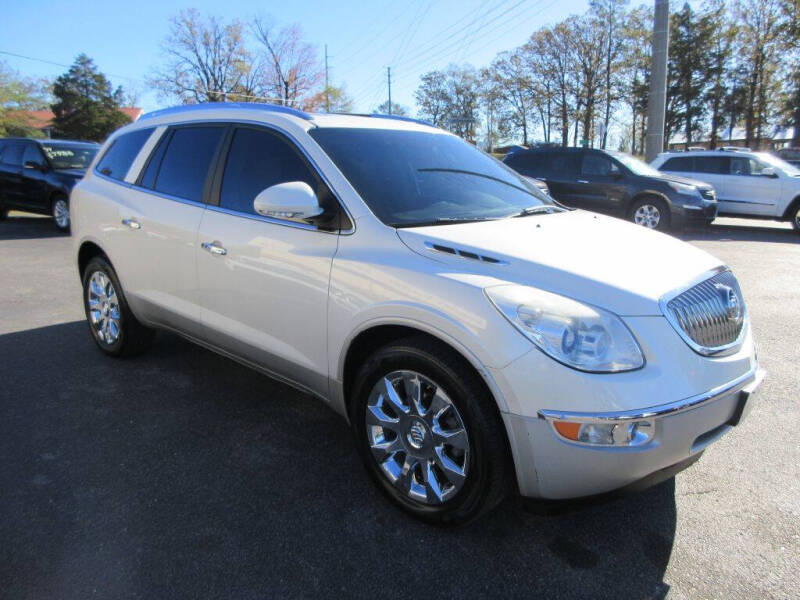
{"points": [[416, 435]]}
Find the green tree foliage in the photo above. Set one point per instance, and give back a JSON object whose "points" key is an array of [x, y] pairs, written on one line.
{"points": [[19, 94], [85, 105]]}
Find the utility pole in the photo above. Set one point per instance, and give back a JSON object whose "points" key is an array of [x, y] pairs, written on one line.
{"points": [[389, 80], [327, 93], [657, 102]]}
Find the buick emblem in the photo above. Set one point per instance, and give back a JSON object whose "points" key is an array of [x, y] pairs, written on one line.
{"points": [[730, 300]]}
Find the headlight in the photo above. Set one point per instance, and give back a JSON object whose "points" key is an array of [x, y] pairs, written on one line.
{"points": [[580, 336], [686, 190]]}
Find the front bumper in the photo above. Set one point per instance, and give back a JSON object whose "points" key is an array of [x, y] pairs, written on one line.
{"points": [[687, 215], [549, 466]]}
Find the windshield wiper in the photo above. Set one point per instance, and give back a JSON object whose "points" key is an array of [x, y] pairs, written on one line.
{"points": [[537, 210], [443, 221]]}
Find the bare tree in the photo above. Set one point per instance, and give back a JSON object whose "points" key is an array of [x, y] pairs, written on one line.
{"points": [[431, 97], [291, 65], [511, 73], [206, 60]]}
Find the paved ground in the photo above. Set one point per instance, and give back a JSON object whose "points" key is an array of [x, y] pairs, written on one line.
{"points": [[182, 474]]}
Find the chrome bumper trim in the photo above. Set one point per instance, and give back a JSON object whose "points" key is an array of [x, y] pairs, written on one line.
{"points": [[750, 379]]}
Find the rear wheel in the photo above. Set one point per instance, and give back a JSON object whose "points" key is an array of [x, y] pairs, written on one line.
{"points": [[429, 432], [652, 213], [796, 217], [60, 211], [113, 327]]}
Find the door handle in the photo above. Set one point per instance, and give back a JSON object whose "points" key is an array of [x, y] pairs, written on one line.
{"points": [[132, 223], [214, 248], [582, 181]]}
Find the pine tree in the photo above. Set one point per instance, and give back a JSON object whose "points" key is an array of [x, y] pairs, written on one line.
{"points": [[86, 107]]}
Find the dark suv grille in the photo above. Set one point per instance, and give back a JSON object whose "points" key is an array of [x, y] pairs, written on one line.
{"points": [[710, 316]]}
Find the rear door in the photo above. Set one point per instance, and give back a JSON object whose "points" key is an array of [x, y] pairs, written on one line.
{"points": [[561, 175], [156, 239], [34, 186]]}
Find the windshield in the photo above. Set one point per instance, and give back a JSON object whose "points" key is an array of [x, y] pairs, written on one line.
{"points": [[637, 166], [775, 162], [414, 178], [69, 156]]}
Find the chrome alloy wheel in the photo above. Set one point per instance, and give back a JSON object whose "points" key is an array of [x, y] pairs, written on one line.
{"points": [[797, 218], [647, 215], [417, 436], [104, 313], [61, 213]]}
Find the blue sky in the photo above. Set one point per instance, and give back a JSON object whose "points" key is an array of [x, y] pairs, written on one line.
{"points": [[363, 38]]}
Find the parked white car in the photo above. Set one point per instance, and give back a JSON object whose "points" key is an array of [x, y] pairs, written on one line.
{"points": [[478, 337], [748, 184]]}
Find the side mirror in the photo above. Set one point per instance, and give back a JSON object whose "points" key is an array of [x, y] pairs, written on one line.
{"points": [[294, 201], [768, 172], [31, 164]]}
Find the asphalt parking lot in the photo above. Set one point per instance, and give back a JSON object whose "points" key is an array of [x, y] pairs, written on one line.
{"points": [[182, 474]]}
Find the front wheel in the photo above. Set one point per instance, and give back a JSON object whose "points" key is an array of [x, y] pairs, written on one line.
{"points": [[796, 218], [652, 213], [429, 432], [114, 328], [60, 210]]}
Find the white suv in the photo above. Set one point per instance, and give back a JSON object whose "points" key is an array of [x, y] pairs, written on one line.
{"points": [[478, 337], [748, 184]]}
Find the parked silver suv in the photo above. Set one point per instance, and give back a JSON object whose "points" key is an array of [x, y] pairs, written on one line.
{"points": [[478, 337]]}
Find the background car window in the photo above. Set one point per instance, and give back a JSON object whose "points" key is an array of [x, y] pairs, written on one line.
{"points": [[34, 155], [186, 161], [679, 163], [527, 164], [257, 160], [711, 164], [755, 166], [740, 166], [595, 164], [564, 165], [120, 156], [12, 155]]}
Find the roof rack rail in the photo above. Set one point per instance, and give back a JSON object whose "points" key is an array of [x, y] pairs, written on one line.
{"points": [[735, 149], [695, 149], [228, 105], [401, 118]]}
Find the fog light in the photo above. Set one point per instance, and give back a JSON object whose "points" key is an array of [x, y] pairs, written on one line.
{"points": [[603, 433]]}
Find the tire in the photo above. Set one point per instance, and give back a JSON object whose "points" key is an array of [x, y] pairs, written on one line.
{"points": [[650, 212], [59, 210], [795, 217], [428, 449], [112, 325]]}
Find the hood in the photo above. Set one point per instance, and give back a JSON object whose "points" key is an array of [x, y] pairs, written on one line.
{"points": [[599, 260], [686, 181]]}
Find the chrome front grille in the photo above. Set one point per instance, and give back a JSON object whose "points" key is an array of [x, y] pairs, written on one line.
{"points": [[710, 316]]}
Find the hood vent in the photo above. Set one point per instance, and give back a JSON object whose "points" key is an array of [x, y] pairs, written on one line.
{"points": [[464, 253]]}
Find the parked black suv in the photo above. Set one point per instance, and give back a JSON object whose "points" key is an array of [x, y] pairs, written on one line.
{"points": [[618, 184], [37, 175]]}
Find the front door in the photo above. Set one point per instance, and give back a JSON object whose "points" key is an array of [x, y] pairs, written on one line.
{"points": [[34, 183], [746, 191], [263, 281], [11, 175], [601, 184]]}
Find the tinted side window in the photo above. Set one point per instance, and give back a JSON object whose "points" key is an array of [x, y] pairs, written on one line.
{"points": [[12, 155], [187, 159], [148, 177], [711, 164], [257, 160], [120, 156], [564, 165], [740, 166], [595, 164], [527, 164], [679, 163], [33, 154]]}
